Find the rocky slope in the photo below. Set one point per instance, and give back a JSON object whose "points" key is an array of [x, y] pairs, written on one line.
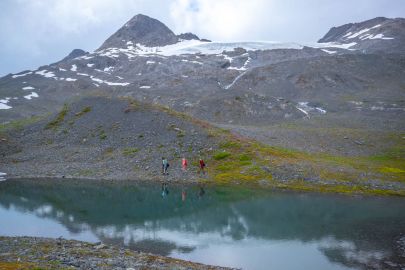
{"points": [[343, 96], [99, 137]]}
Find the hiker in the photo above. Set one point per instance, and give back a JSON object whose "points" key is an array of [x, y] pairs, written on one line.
{"points": [[202, 166], [165, 166], [184, 164]]}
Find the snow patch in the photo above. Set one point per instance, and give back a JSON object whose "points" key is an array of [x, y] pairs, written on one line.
{"points": [[150, 62], [3, 176], [108, 69], [235, 80], [46, 74], [90, 65], [62, 69], [242, 68], [109, 83], [345, 46], [96, 79], [71, 79], [197, 62], [145, 87], [32, 95], [73, 68], [377, 108], [28, 88], [328, 51], [85, 57], [358, 33], [213, 48], [378, 36], [21, 75], [358, 103], [305, 108], [3, 104], [116, 83]]}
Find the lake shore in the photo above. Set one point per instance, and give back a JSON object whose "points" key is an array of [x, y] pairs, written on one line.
{"points": [[49, 253]]}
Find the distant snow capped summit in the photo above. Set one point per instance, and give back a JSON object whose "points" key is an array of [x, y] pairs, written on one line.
{"points": [[147, 32], [368, 35], [141, 29]]}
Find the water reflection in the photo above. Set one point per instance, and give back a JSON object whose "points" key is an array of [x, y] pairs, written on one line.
{"points": [[216, 225]]}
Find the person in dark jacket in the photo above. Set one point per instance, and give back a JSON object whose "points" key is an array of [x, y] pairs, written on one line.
{"points": [[202, 166]]}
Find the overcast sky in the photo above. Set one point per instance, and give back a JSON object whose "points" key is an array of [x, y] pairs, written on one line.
{"points": [[39, 32]]}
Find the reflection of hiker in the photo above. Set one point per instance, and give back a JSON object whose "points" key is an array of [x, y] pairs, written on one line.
{"points": [[184, 164], [165, 165], [183, 195], [202, 166], [201, 192], [165, 190]]}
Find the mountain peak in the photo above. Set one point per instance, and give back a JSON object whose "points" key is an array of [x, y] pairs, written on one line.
{"points": [[144, 30], [378, 34]]}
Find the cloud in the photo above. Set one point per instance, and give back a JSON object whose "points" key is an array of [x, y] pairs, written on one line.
{"points": [[282, 20], [220, 19]]}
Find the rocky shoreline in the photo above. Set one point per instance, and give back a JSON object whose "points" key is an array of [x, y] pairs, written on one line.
{"points": [[48, 253]]}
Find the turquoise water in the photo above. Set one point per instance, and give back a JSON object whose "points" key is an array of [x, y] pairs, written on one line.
{"points": [[249, 229]]}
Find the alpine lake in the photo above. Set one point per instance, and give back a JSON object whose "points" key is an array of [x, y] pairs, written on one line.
{"points": [[227, 226]]}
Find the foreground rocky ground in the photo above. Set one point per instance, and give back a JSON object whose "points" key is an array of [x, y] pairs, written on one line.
{"points": [[46, 253]]}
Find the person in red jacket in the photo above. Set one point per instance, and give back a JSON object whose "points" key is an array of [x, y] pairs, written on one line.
{"points": [[202, 166], [184, 164]]}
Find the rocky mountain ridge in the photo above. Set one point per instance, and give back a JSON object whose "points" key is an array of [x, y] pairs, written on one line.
{"points": [[147, 31], [367, 36], [144, 59], [330, 97]]}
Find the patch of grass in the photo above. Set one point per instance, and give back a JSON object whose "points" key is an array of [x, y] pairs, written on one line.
{"points": [[108, 151], [102, 135], [392, 170], [130, 151], [83, 112], [18, 265], [86, 172], [245, 161], [59, 118], [230, 144], [245, 157], [221, 155], [19, 124]]}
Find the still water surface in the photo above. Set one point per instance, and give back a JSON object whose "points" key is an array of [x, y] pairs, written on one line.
{"points": [[214, 225]]}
